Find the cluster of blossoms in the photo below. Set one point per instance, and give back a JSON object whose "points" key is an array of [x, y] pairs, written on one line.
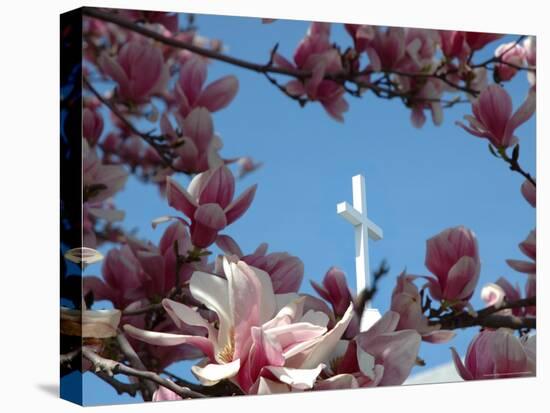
{"points": [[175, 303]]}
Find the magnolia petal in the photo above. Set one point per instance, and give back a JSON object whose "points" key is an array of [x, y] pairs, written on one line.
{"points": [[169, 339], [179, 198], [240, 205], [460, 367], [338, 382], [219, 94], [326, 344], [438, 336], [266, 386], [301, 379], [211, 374]]}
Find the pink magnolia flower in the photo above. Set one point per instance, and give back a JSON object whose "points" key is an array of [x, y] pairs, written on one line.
{"points": [[385, 48], [123, 279], [453, 44], [162, 394], [502, 290], [197, 147], [317, 55], [512, 56], [494, 354], [406, 302], [453, 257], [529, 248], [190, 91], [335, 290], [529, 192], [477, 41], [380, 356], [100, 181], [427, 98], [92, 125], [208, 203], [137, 69], [269, 337], [493, 119], [247, 165]]}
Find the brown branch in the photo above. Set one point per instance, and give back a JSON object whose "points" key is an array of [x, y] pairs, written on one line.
{"points": [[513, 162], [120, 387], [368, 293], [265, 69], [487, 317], [147, 388], [112, 367]]}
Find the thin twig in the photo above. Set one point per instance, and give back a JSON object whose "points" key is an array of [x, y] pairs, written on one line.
{"points": [[112, 367], [120, 387]]}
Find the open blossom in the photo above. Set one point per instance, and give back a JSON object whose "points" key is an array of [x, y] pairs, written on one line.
{"points": [[268, 340], [92, 125], [208, 202], [493, 118], [191, 93], [452, 257], [384, 47], [380, 356], [496, 354], [316, 54], [406, 301], [453, 44], [529, 192], [512, 56], [138, 68], [529, 248]]}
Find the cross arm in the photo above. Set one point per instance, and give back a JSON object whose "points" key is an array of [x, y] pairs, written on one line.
{"points": [[354, 217]]}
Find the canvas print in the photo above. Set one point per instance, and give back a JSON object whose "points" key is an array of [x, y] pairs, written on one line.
{"points": [[255, 206]]}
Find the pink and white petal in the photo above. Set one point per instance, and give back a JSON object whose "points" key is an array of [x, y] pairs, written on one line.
{"points": [[212, 291], [183, 315], [338, 382], [509, 355], [328, 342], [387, 324], [438, 336], [179, 198], [211, 374], [460, 367], [523, 113], [266, 386], [169, 339], [268, 303], [300, 379], [492, 294], [228, 245]]}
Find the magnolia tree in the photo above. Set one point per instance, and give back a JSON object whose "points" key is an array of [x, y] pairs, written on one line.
{"points": [[241, 315]]}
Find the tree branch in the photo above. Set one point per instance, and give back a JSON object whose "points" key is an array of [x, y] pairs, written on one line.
{"points": [[120, 387], [487, 317], [147, 387], [112, 367]]}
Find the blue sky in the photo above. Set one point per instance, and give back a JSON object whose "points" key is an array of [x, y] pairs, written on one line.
{"points": [[419, 182]]}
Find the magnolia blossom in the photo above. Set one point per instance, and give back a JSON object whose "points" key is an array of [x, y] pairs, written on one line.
{"points": [[477, 40], [138, 69], [406, 301], [208, 203], [92, 125], [453, 44], [453, 257], [495, 354], [142, 270], [512, 57], [493, 119], [385, 48], [494, 294], [529, 248], [197, 147], [335, 290], [270, 337], [316, 54], [529, 192], [247, 165], [380, 356], [100, 181], [190, 92]]}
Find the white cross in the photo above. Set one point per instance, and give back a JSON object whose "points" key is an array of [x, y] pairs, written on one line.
{"points": [[364, 229]]}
